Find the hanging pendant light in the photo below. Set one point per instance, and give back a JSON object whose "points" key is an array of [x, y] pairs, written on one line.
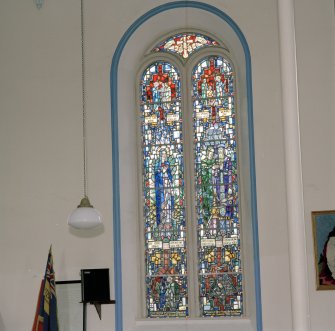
{"points": [[85, 216]]}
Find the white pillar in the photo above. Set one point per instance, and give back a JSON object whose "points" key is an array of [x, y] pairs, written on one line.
{"points": [[295, 203]]}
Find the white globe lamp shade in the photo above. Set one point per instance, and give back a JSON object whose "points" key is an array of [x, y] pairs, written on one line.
{"points": [[85, 216]]}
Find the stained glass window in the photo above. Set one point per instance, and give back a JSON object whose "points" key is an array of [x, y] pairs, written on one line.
{"points": [[185, 44], [216, 222], [163, 192], [216, 187]]}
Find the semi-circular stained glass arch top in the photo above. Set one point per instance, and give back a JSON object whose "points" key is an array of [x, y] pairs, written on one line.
{"points": [[184, 44]]}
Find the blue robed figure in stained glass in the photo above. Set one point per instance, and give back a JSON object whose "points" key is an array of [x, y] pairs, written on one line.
{"points": [[164, 191]]}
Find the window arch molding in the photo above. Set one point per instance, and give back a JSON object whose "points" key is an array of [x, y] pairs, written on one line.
{"points": [[120, 100]]}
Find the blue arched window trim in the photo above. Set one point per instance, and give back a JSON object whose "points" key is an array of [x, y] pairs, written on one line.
{"points": [[115, 149]]}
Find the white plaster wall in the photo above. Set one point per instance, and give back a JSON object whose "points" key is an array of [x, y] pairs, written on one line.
{"points": [[40, 144], [314, 21], [41, 153]]}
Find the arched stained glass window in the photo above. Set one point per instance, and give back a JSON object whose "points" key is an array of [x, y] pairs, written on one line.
{"points": [[216, 188], [163, 189], [170, 244], [184, 44]]}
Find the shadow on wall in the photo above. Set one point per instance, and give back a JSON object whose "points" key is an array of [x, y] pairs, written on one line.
{"points": [[2, 326]]}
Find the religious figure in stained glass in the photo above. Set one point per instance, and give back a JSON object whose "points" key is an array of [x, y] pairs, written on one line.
{"points": [[164, 191], [207, 163]]}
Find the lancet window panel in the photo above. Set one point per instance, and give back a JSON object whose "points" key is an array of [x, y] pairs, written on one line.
{"points": [[163, 192], [216, 187]]}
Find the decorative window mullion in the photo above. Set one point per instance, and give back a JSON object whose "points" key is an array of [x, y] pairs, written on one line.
{"points": [[189, 192]]}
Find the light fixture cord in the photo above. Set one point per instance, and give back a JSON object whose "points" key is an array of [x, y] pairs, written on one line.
{"points": [[83, 96]]}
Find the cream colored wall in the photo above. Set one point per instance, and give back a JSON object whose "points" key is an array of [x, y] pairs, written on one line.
{"points": [[40, 144], [41, 153], [316, 70]]}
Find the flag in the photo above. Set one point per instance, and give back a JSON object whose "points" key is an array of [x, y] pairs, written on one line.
{"points": [[46, 310]]}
